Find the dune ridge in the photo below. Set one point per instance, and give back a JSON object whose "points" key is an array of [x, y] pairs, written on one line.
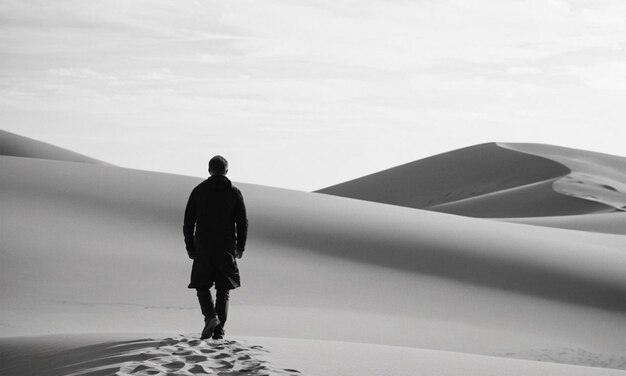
{"points": [[487, 181], [15, 145], [595, 176]]}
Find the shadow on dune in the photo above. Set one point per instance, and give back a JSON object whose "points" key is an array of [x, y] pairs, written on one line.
{"points": [[497, 257]]}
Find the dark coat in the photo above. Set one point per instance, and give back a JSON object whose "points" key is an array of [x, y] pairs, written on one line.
{"points": [[215, 228]]}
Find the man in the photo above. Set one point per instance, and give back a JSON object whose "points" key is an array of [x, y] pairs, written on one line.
{"points": [[215, 230]]}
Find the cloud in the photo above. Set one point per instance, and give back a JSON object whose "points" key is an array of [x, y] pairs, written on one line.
{"points": [[82, 73], [308, 72], [604, 76]]}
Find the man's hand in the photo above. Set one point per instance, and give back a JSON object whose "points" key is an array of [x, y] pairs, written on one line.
{"points": [[190, 254], [238, 254]]}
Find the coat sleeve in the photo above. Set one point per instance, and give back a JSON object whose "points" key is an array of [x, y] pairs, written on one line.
{"points": [[189, 224], [241, 220]]}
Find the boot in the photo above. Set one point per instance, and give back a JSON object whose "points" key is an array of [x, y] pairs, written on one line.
{"points": [[221, 308], [218, 332], [208, 310], [209, 327]]}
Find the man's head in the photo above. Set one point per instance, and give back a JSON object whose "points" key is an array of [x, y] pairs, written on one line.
{"points": [[218, 165]]}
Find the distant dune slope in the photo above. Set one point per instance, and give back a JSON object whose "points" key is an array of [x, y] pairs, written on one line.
{"points": [[19, 146], [485, 180]]}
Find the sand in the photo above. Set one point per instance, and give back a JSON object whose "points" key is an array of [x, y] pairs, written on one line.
{"points": [[594, 176], [329, 283], [179, 355], [182, 355], [19, 146], [500, 180], [610, 223]]}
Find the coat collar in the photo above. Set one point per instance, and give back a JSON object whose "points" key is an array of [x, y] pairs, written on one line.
{"points": [[218, 182]]}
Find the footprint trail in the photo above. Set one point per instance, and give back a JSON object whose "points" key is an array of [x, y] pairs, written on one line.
{"points": [[184, 356]]}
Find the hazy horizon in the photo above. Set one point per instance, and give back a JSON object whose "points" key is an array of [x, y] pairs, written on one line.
{"points": [[307, 95]]}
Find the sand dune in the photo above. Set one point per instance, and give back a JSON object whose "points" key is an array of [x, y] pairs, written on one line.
{"points": [[489, 181], [20, 146], [90, 248]]}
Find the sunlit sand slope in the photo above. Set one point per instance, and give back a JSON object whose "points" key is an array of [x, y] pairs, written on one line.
{"points": [[20, 146], [491, 180]]}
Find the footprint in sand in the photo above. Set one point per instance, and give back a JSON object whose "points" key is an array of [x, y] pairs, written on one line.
{"points": [[185, 356]]}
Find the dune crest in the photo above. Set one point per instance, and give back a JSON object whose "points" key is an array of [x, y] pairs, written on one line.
{"points": [[494, 180], [594, 176]]}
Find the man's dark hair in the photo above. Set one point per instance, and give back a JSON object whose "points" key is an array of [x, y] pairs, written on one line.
{"points": [[218, 165]]}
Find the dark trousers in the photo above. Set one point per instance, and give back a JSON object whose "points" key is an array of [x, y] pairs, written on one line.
{"points": [[220, 308]]}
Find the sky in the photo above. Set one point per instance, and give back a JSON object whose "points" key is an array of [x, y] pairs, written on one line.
{"points": [[307, 94]]}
